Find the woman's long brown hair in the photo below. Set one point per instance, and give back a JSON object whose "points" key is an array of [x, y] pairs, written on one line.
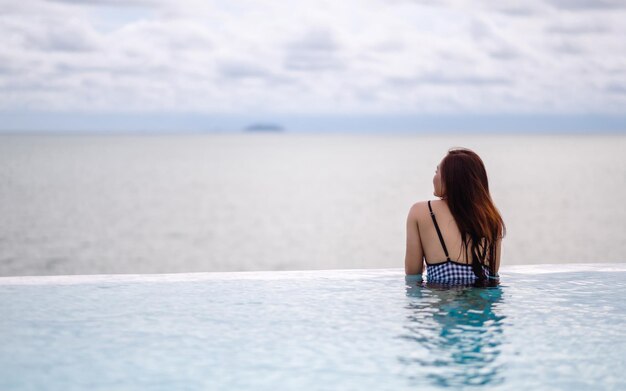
{"points": [[466, 190]]}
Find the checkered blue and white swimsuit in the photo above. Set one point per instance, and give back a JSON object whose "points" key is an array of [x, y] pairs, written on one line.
{"points": [[450, 271]]}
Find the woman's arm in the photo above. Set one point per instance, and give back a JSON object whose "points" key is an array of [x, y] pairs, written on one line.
{"points": [[414, 258], [498, 252]]}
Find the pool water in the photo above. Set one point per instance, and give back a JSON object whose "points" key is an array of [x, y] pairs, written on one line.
{"points": [[544, 327]]}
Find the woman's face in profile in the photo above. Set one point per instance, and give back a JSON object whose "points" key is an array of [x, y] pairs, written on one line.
{"points": [[438, 192]]}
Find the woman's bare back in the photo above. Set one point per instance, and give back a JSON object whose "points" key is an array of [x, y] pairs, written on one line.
{"points": [[423, 241]]}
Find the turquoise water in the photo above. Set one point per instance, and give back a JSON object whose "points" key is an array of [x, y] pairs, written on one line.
{"points": [[544, 327]]}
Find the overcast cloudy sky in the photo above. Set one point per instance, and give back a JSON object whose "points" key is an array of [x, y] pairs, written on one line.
{"points": [[348, 57]]}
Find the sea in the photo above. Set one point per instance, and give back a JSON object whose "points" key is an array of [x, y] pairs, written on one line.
{"points": [[138, 203]]}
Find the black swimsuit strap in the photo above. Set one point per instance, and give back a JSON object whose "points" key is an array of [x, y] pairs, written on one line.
{"points": [[443, 244]]}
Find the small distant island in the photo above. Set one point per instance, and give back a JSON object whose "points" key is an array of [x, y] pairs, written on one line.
{"points": [[264, 127]]}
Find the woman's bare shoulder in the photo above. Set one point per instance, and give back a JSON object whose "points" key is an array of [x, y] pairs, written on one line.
{"points": [[419, 208]]}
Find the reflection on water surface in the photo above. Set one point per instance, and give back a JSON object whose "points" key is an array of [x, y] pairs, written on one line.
{"points": [[457, 332]]}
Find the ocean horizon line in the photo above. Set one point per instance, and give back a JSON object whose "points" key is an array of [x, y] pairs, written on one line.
{"points": [[138, 123]]}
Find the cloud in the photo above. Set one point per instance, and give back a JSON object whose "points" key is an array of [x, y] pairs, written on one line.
{"points": [[350, 56], [230, 71], [583, 5], [71, 36], [242, 70], [517, 11], [316, 50], [568, 48], [504, 53], [110, 3], [456, 80], [616, 88], [577, 29]]}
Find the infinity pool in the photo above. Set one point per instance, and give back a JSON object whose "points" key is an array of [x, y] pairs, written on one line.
{"points": [[544, 327]]}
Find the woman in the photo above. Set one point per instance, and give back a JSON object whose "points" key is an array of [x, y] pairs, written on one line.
{"points": [[460, 235]]}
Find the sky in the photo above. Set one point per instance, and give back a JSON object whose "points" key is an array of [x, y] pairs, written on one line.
{"points": [[213, 65]]}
